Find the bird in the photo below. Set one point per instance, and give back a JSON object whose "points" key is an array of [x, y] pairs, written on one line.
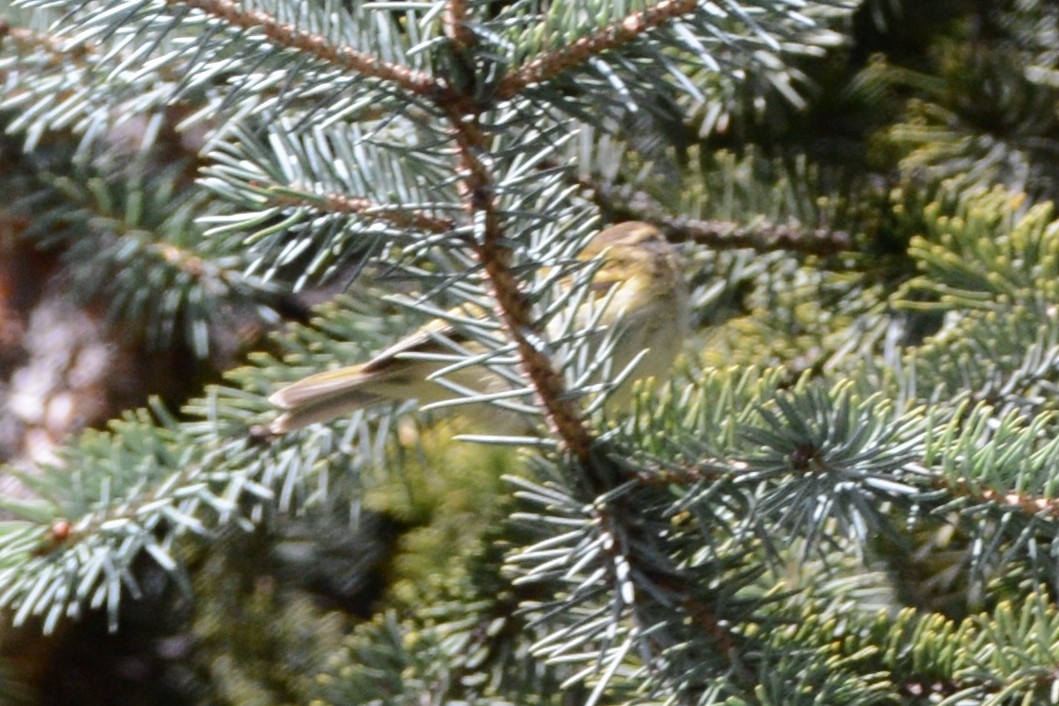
{"points": [[637, 309]]}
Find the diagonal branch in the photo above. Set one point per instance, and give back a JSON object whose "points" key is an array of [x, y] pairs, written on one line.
{"points": [[400, 216], [25, 38], [610, 37], [478, 190], [346, 57], [758, 235], [761, 236]]}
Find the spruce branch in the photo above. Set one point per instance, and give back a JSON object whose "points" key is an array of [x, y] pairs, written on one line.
{"points": [[456, 29], [130, 243], [478, 191], [653, 576], [656, 567], [1030, 504], [345, 57], [608, 38], [760, 236], [26, 39], [757, 236], [335, 202], [675, 474]]}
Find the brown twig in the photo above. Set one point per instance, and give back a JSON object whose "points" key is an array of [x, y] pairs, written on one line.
{"points": [[610, 37], [655, 573], [652, 473], [762, 236], [60, 52], [317, 45], [400, 216], [456, 27], [1026, 502], [477, 190]]}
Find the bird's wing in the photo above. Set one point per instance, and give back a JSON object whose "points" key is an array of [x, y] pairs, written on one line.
{"points": [[429, 339]]}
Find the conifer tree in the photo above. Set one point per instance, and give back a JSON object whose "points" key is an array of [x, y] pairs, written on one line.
{"points": [[842, 495]]}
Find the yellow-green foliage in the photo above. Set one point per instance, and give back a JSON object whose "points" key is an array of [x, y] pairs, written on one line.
{"points": [[450, 492]]}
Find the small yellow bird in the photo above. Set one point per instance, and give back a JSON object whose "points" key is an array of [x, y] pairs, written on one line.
{"points": [[638, 279]]}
